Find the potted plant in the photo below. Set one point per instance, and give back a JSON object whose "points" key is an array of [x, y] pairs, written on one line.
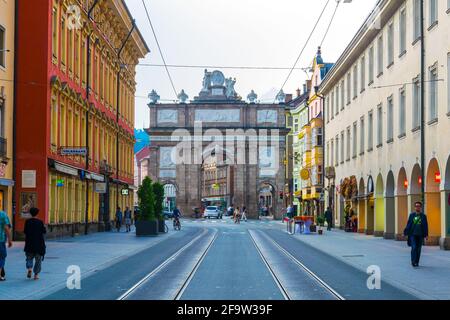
{"points": [[147, 224], [158, 191], [320, 223]]}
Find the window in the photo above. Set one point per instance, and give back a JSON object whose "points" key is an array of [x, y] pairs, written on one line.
{"points": [[337, 150], [327, 103], [355, 81], [402, 112], [370, 132], [416, 104], [371, 65], [55, 27], [380, 56], [363, 73], [342, 147], [2, 120], [62, 125], [380, 126], [2, 47], [337, 100], [433, 89], [332, 105], [433, 12], [390, 119], [362, 136], [390, 44], [348, 88], [342, 94], [332, 152], [54, 122], [355, 139], [348, 143], [63, 41], [402, 30], [448, 77], [416, 28]]}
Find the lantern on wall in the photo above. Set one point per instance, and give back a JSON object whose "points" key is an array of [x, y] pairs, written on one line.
{"points": [[437, 177], [405, 183], [420, 180]]}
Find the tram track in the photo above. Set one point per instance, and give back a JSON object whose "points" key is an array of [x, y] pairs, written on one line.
{"points": [[146, 281], [282, 283]]}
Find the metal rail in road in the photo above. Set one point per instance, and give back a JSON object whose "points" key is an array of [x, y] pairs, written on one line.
{"points": [[170, 260], [298, 263]]}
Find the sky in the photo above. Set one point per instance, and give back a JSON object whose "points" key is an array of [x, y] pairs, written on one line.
{"points": [[268, 33]]}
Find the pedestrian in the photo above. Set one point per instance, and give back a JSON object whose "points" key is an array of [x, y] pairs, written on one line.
{"points": [[237, 215], [127, 216], [119, 217], [329, 218], [34, 244], [5, 238], [416, 230], [244, 214]]}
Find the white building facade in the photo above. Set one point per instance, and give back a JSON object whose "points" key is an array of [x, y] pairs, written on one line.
{"points": [[372, 124]]}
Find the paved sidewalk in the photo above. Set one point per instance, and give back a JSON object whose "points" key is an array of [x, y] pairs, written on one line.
{"points": [[91, 253], [430, 281]]}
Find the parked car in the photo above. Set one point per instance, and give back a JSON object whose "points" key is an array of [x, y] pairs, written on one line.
{"points": [[213, 212]]}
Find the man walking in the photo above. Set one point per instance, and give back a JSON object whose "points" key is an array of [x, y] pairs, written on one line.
{"points": [[119, 218], [328, 218], [417, 231], [244, 214], [34, 243], [5, 237]]}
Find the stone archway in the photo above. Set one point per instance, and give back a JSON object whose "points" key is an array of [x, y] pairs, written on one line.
{"points": [[370, 207], [445, 239], [415, 187], [266, 199], [379, 207], [401, 204], [433, 202], [389, 226], [361, 206]]}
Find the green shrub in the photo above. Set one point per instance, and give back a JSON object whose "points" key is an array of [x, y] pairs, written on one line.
{"points": [[158, 191], [146, 201]]}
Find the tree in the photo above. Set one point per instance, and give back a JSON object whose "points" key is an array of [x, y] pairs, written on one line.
{"points": [[158, 191], [146, 200]]}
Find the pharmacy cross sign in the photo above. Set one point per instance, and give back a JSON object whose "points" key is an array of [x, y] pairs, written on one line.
{"points": [[73, 151]]}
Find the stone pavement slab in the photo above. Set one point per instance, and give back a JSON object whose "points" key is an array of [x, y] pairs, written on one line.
{"points": [[91, 253], [430, 281]]}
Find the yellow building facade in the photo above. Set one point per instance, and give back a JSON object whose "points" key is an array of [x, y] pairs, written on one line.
{"points": [[7, 26]]}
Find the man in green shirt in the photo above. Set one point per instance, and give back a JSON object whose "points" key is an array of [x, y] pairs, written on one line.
{"points": [[417, 232], [5, 236]]}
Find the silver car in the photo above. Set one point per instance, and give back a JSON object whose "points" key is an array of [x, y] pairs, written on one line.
{"points": [[213, 212]]}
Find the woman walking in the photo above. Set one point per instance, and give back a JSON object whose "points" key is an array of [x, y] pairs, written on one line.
{"points": [[127, 216], [34, 244], [237, 216], [244, 214]]}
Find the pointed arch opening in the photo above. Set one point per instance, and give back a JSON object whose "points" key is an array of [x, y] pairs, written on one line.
{"points": [[433, 201], [402, 204], [379, 207]]}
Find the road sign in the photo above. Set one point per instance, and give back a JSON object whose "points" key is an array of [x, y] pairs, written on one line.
{"points": [[73, 151]]}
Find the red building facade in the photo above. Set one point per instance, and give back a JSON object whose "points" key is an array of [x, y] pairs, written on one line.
{"points": [[52, 108]]}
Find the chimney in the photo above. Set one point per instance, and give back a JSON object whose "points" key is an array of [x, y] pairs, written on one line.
{"points": [[298, 93], [288, 98]]}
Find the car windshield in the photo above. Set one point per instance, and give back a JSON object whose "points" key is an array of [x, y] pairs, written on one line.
{"points": [[211, 208]]}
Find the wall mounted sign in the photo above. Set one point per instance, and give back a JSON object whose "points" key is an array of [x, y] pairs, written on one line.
{"points": [[73, 151], [100, 187], [229, 115], [167, 116], [125, 192], [28, 200], [28, 179], [267, 116]]}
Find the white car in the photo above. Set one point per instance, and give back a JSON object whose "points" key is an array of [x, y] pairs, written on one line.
{"points": [[212, 212]]}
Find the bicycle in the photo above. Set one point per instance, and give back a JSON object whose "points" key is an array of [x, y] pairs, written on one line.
{"points": [[176, 224]]}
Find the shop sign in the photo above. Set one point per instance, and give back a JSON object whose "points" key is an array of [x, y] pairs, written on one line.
{"points": [[125, 192], [60, 183], [66, 170], [73, 151], [97, 177], [100, 187]]}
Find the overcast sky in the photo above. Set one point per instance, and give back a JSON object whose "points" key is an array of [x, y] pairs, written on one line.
{"points": [[238, 33]]}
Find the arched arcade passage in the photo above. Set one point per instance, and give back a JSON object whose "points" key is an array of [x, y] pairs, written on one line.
{"points": [[389, 232]]}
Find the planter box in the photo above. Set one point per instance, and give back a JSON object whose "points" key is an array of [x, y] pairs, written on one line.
{"points": [[161, 226], [146, 228]]}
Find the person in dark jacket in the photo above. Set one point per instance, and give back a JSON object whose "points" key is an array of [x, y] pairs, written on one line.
{"points": [[34, 243], [329, 218], [119, 218], [416, 230]]}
